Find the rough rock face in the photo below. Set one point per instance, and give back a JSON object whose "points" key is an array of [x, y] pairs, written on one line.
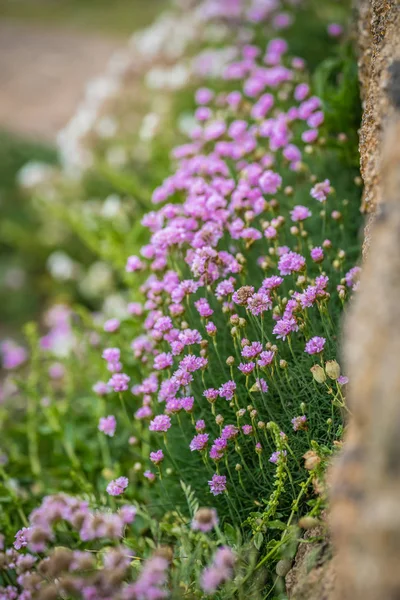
{"points": [[366, 479], [379, 49]]}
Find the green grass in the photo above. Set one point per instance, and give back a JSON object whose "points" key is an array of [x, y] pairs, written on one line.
{"points": [[118, 17], [20, 248]]}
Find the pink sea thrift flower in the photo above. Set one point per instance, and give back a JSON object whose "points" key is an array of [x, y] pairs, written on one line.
{"points": [[205, 520], [334, 29], [111, 325], [12, 355], [119, 382], [108, 425], [133, 264], [291, 262], [317, 254], [300, 213], [217, 484], [315, 345], [157, 457], [149, 475], [276, 455], [321, 190], [160, 423], [199, 442], [270, 182], [117, 486]]}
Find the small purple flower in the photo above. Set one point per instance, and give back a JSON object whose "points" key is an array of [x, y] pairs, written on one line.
{"points": [[133, 264], [247, 368], [317, 254], [217, 484], [108, 425], [119, 382], [315, 345], [149, 475], [342, 380], [299, 423], [199, 442], [227, 390], [101, 388], [117, 486], [111, 325], [335, 30], [163, 361], [291, 262], [247, 429], [160, 423], [205, 520], [200, 425], [157, 457], [270, 182], [21, 540], [300, 213], [321, 190], [276, 455]]}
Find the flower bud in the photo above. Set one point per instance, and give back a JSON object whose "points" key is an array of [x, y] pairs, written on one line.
{"points": [[283, 567], [242, 322], [283, 364], [261, 425], [308, 522], [230, 361], [234, 320], [238, 467], [332, 369], [318, 373], [219, 419]]}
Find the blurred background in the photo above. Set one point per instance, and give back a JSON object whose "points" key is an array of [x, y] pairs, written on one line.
{"points": [[49, 50]]}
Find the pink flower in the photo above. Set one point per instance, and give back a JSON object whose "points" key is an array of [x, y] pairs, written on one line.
{"points": [[227, 390], [247, 429], [200, 425], [259, 303], [291, 262], [108, 425], [199, 442], [149, 475], [317, 254], [157, 457], [119, 382], [247, 368], [321, 190], [117, 486], [163, 361], [300, 213], [111, 325], [160, 423], [266, 358], [315, 345], [13, 355], [133, 264], [270, 182], [335, 30], [205, 520], [217, 484], [299, 423]]}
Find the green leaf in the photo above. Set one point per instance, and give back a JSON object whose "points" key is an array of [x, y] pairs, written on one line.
{"points": [[258, 540]]}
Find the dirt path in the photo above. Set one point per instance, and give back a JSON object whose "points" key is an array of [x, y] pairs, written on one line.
{"points": [[43, 72]]}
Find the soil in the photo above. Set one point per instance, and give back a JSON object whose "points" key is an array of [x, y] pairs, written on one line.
{"points": [[43, 73]]}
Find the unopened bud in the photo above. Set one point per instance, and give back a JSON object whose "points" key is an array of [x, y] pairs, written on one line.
{"points": [[219, 419], [283, 364], [308, 522], [230, 361], [234, 320], [238, 467], [332, 369], [242, 322], [318, 373]]}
